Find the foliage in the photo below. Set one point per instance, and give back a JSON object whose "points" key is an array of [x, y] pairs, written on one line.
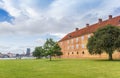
{"points": [[52, 48], [106, 39], [48, 46], [38, 52], [57, 50]]}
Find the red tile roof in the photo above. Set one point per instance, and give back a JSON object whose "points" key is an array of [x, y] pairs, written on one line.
{"points": [[92, 28]]}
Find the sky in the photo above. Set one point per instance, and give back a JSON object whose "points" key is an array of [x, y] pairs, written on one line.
{"points": [[28, 23]]}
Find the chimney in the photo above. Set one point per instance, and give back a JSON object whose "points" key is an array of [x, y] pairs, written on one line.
{"points": [[77, 29], [100, 20], [87, 25], [110, 16]]}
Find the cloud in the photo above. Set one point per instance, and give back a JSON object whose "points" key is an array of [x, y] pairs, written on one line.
{"points": [[41, 41], [60, 16], [59, 35], [4, 47], [5, 16], [52, 18]]}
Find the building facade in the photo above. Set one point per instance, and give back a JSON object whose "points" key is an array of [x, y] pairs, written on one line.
{"points": [[28, 52], [73, 45]]}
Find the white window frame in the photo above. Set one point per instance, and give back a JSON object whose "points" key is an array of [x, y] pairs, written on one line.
{"points": [[72, 46], [72, 41], [89, 36], [82, 38], [83, 46], [77, 39], [77, 46], [68, 41]]}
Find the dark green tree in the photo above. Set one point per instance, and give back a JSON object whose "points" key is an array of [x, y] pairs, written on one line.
{"points": [[57, 50], [38, 52], [106, 39], [48, 46], [52, 48]]}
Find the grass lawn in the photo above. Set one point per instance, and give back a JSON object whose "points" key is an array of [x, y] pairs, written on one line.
{"points": [[63, 68]]}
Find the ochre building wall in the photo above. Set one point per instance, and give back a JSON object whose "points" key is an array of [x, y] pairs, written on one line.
{"points": [[76, 48], [73, 45]]}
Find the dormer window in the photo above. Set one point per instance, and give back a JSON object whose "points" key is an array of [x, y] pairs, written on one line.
{"points": [[69, 36]]}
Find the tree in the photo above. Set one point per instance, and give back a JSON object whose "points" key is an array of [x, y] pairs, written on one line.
{"points": [[57, 50], [106, 39], [38, 52], [48, 46], [52, 48]]}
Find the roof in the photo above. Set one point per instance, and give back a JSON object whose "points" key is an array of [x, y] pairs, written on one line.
{"points": [[92, 28]]}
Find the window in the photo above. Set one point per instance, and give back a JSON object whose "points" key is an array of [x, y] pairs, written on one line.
{"points": [[72, 41], [68, 41], [72, 52], [83, 46], [76, 39], [82, 38], [89, 36], [77, 52], [77, 46], [68, 53], [69, 36], [72, 47], [83, 52], [68, 47]]}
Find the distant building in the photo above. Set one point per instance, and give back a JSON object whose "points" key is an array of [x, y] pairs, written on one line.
{"points": [[10, 54], [28, 52], [73, 45], [1, 55]]}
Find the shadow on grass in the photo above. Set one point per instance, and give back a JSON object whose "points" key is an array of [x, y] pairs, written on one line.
{"points": [[103, 60], [54, 60]]}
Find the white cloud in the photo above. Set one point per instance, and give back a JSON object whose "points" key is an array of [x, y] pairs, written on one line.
{"points": [[40, 41], [59, 18], [59, 35], [62, 16]]}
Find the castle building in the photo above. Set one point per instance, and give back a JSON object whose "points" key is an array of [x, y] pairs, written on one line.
{"points": [[73, 45]]}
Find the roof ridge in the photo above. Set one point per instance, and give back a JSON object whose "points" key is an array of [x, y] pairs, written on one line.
{"points": [[91, 28]]}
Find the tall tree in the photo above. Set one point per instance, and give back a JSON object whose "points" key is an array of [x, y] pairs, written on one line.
{"points": [[38, 52], [57, 50], [106, 39], [48, 46], [52, 48]]}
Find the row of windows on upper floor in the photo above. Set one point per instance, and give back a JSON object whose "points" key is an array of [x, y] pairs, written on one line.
{"points": [[77, 46], [77, 39]]}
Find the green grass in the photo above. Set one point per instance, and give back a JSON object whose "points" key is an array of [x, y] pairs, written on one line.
{"points": [[64, 68]]}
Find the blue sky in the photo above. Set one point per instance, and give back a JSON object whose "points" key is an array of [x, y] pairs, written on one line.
{"points": [[27, 23], [5, 16]]}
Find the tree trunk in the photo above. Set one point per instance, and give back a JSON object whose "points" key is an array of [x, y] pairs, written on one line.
{"points": [[50, 58], [38, 57], [110, 56]]}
